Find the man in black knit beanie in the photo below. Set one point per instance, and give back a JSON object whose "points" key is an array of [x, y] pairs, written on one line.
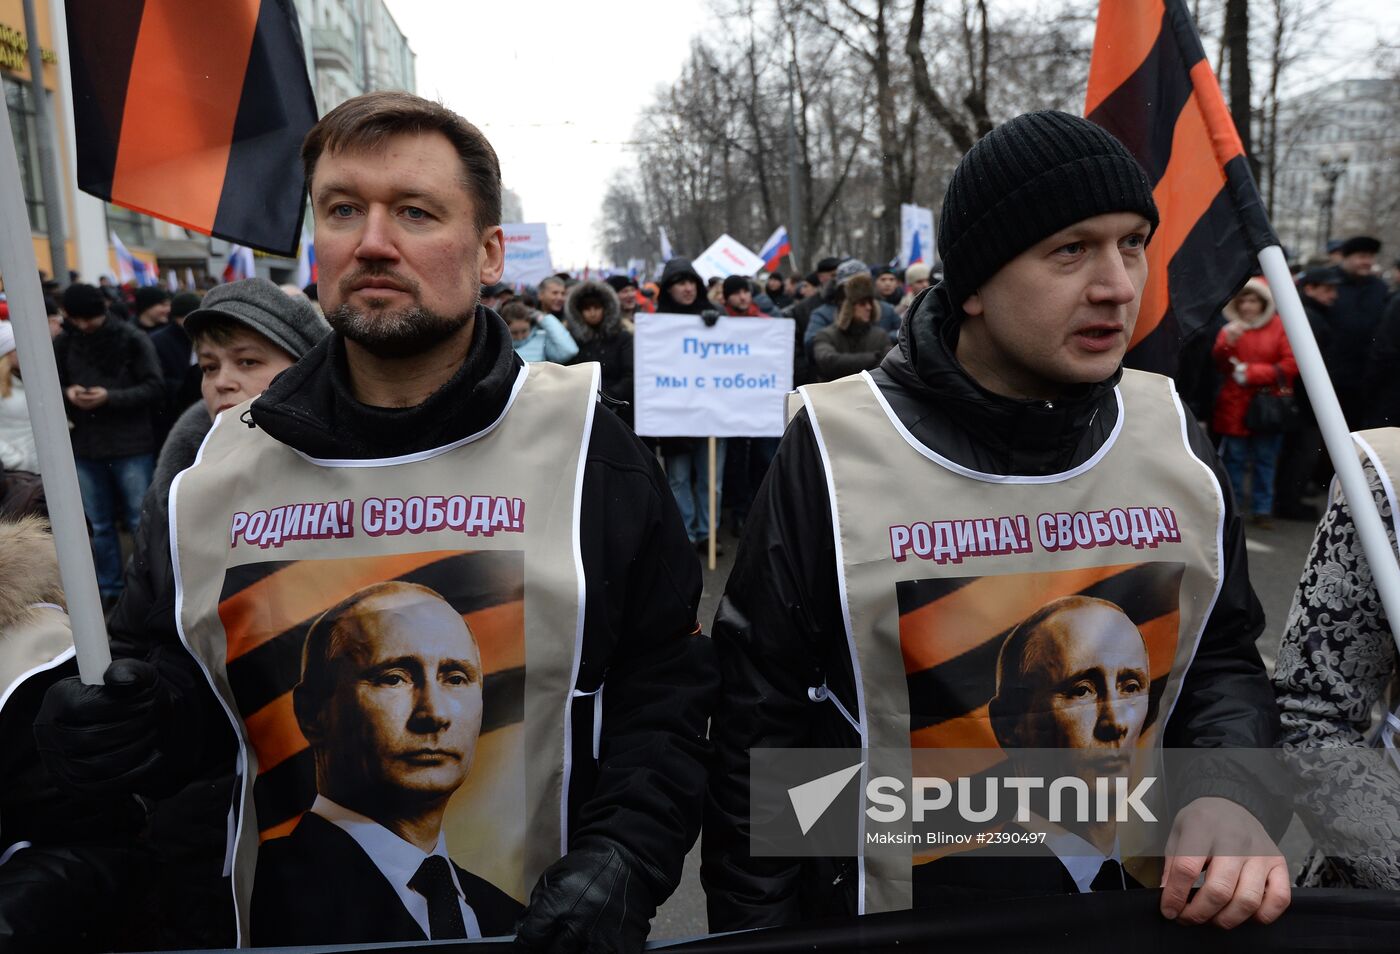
{"points": [[1000, 461]]}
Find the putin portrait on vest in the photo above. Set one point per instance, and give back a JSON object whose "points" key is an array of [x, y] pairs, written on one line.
{"points": [[390, 702], [1075, 674]]}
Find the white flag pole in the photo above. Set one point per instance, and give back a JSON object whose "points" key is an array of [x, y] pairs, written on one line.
{"points": [[1335, 434], [49, 420]]}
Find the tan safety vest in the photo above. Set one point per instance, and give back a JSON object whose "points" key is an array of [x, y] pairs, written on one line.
{"points": [[265, 539], [939, 562]]}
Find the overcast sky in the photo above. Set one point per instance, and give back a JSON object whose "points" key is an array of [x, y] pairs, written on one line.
{"points": [[557, 86]]}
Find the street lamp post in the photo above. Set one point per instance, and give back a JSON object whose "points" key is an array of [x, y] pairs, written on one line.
{"points": [[1333, 167]]}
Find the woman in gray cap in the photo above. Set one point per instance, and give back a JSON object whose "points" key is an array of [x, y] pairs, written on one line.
{"points": [[244, 333]]}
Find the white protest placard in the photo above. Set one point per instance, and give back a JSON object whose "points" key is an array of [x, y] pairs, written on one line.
{"points": [[527, 253], [727, 381], [726, 257], [916, 235]]}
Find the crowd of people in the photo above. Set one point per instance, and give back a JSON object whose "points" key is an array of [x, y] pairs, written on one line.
{"points": [[381, 575]]}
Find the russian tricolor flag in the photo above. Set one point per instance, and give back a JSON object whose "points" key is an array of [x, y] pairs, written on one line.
{"points": [[306, 264], [916, 249], [129, 267], [775, 248], [240, 264]]}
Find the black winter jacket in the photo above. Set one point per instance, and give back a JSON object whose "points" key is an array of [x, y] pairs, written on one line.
{"points": [[642, 581], [119, 357], [609, 344], [1382, 384], [779, 629], [838, 352], [801, 312], [676, 270], [182, 378], [1355, 318]]}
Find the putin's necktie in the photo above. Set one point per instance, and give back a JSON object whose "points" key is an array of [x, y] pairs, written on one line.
{"points": [[1109, 878], [434, 882]]}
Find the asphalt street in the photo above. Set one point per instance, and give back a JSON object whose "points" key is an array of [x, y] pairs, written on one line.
{"points": [[1276, 557]]}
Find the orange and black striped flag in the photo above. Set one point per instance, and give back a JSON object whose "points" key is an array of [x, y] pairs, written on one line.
{"points": [[1151, 85], [194, 113]]}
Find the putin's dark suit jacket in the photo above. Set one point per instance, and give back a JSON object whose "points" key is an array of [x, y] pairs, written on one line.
{"points": [[317, 886], [980, 875]]}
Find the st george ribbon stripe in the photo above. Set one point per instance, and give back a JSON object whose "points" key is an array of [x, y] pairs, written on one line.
{"points": [[271, 123], [1151, 86], [174, 147], [101, 42], [1124, 37], [194, 113], [1142, 110]]}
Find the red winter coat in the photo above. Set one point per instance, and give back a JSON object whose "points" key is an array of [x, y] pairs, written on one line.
{"points": [[1265, 352]]}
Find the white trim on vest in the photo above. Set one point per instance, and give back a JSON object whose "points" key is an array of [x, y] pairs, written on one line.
{"points": [[242, 765], [957, 468], [578, 629], [1219, 544], [1384, 477], [431, 452], [56, 661], [861, 725]]}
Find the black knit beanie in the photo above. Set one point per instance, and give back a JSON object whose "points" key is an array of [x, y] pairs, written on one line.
{"points": [[1025, 180]]}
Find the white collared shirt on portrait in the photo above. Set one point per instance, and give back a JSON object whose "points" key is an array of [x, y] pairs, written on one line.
{"points": [[396, 859], [1081, 859]]}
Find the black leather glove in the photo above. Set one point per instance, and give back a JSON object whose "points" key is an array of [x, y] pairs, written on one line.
{"points": [[116, 738], [592, 901], [709, 316]]}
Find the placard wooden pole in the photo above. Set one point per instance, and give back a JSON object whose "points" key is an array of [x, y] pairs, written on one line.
{"points": [[713, 498]]}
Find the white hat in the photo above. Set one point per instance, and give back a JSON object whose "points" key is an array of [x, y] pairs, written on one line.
{"points": [[7, 338]]}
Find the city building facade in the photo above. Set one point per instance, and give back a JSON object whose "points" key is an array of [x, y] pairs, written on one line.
{"points": [[1338, 165]]}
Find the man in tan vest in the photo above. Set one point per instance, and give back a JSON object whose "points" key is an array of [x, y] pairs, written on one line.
{"points": [[410, 445], [1000, 456]]}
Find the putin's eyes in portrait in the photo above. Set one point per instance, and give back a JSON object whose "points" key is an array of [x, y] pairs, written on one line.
{"points": [[399, 710]]}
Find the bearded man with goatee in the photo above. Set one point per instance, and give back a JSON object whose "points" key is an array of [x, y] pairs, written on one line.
{"points": [[412, 443]]}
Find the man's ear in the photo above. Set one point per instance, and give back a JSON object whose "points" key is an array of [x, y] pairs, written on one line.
{"points": [[973, 305], [308, 713], [493, 255]]}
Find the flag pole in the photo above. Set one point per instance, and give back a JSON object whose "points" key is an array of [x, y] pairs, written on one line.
{"points": [[49, 420], [1335, 434]]}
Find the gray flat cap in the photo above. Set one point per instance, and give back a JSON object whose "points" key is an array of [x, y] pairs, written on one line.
{"points": [[292, 324]]}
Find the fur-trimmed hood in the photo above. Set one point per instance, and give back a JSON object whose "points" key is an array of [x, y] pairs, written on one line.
{"points": [[573, 314], [1257, 286], [28, 569]]}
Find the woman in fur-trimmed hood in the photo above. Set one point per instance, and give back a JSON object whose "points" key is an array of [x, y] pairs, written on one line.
{"points": [[593, 316], [1252, 354]]}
